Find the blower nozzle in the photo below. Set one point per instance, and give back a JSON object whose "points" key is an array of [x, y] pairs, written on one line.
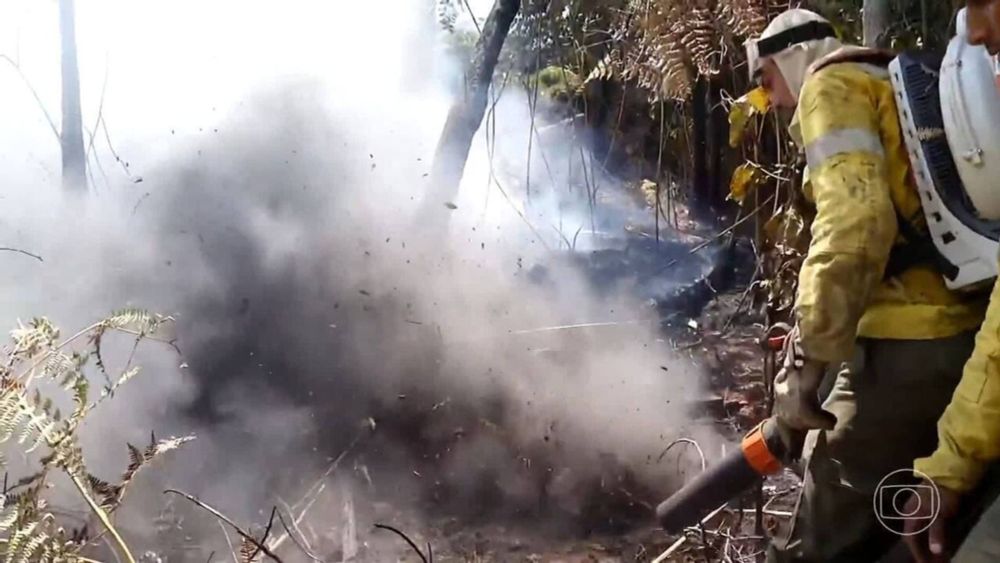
{"points": [[761, 453]]}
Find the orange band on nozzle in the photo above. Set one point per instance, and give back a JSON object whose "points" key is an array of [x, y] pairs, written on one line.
{"points": [[757, 454]]}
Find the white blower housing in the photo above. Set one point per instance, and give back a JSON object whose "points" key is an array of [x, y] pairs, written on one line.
{"points": [[950, 115]]}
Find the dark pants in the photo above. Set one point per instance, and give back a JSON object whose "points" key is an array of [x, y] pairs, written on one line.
{"points": [[887, 401]]}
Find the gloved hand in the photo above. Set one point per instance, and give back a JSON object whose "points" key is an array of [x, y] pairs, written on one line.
{"points": [[796, 389]]}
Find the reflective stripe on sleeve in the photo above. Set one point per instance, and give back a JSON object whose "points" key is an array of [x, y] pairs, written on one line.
{"points": [[841, 141]]}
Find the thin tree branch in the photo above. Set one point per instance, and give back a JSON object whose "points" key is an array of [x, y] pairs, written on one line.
{"points": [[267, 532], [701, 454], [25, 252], [725, 232], [111, 147], [229, 542], [472, 16], [100, 109], [310, 497], [41, 106], [103, 517], [408, 540], [247, 536], [296, 541]]}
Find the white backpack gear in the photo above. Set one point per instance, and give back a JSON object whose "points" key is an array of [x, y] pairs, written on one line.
{"points": [[949, 110]]}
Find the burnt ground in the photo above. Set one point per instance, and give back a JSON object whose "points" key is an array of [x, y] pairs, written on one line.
{"points": [[709, 321], [723, 338], [610, 522], [506, 515]]}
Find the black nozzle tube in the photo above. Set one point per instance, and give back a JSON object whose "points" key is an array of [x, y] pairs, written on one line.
{"points": [[716, 485], [712, 487]]}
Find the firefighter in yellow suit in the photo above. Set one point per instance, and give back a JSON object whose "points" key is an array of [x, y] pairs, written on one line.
{"points": [[871, 306], [965, 467]]}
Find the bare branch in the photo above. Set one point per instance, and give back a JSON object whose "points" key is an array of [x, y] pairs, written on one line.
{"points": [[41, 106], [267, 532], [408, 540], [472, 16], [229, 542], [25, 252], [100, 109], [302, 547], [317, 487], [684, 441], [725, 232], [246, 535]]}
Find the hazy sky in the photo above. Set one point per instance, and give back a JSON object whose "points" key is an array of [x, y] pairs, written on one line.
{"points": [[178, 65]]}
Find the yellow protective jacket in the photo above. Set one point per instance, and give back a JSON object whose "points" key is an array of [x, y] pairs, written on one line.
{"points": [[860, 181], [969, 429]]}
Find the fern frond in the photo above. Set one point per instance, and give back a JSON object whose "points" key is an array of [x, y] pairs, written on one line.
{"points": [[106, 494], [11, 413], [27, 530], [18, 541], [58, 364], [33, 545], [39, 427], [744, 18], [7, 518], [40, 334], [122, 380], [248, 551], [132, 318], [140, 459], [25, 418]]}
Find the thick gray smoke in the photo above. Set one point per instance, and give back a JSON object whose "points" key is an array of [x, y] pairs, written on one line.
{"points": [[314, 317]]}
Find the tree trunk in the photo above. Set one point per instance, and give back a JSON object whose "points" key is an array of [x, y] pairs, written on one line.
{"points": [[719, 138], [876, 15], [701, 190], [467, 112], [74, 165]]}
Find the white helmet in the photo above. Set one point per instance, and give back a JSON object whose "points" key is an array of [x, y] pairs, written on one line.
{"points": [[794, 40]]}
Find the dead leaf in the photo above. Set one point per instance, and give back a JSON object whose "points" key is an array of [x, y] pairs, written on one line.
{"points": [[755, 102], [745, 178]]}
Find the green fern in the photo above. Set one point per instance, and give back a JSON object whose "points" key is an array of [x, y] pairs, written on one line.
{"points": [[30, 421]]}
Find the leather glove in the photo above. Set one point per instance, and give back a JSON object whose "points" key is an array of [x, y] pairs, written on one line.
{"points": [[796, 389]]}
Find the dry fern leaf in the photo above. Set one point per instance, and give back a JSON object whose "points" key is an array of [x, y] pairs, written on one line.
{"points": [[29, 340], [744, 18], [701, 40], [27, 540], [605, 68], [248, 551], [110, 496]]}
